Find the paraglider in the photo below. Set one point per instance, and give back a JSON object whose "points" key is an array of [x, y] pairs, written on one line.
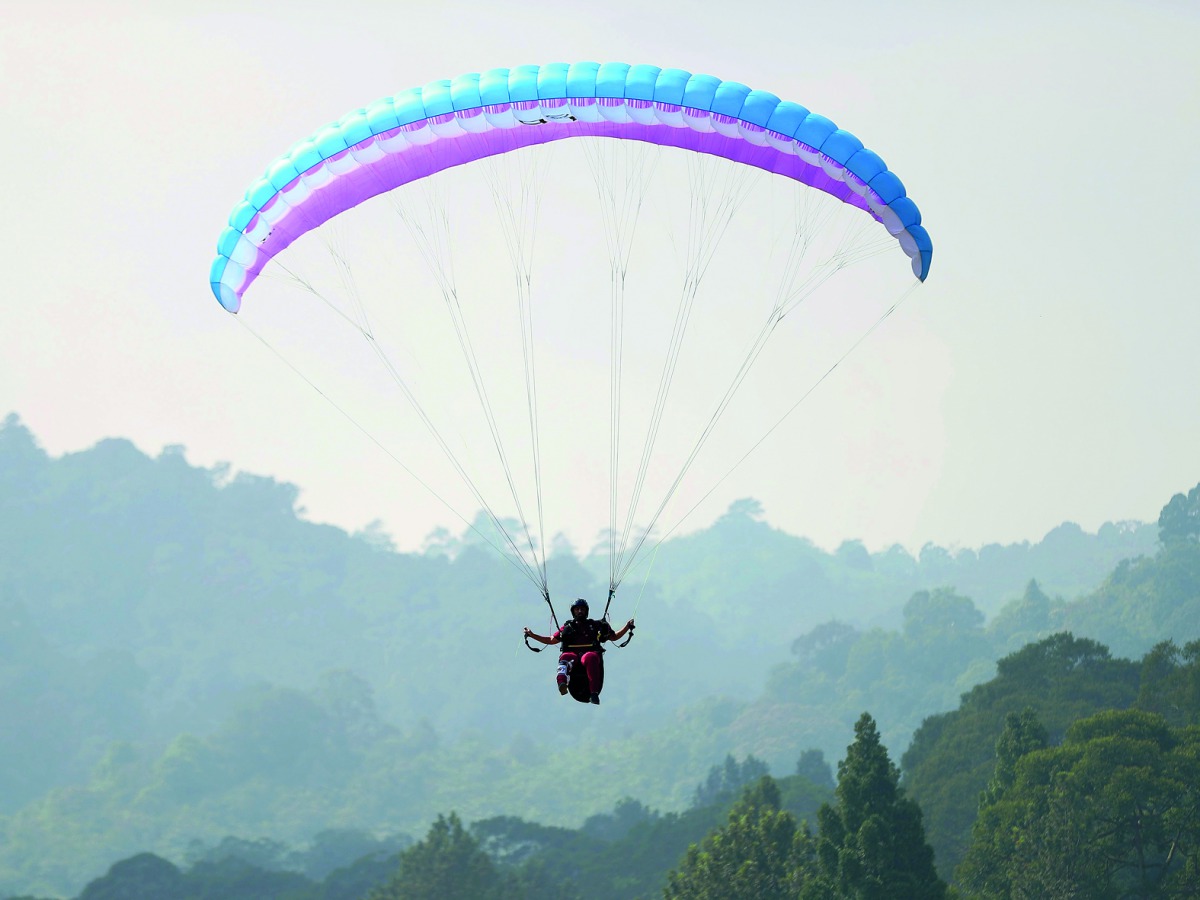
{"points": [[581, 664], [495, 114]]}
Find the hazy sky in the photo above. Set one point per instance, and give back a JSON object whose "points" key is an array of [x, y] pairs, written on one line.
{"points": [[1048, 369]]}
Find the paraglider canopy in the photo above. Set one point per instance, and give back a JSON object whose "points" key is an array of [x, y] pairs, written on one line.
{"points": [[447, 123]]}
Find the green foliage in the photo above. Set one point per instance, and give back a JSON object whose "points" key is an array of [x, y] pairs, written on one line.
{"points": [[1170, 683], [144, 875], [1112, 812], [613, 826], [626, 854], [335, 848], [813, 767], [148, 876], [1144, 601], [226, 872], [135, 803], [232, 878], [162, 626], [751, 858], [355, 881], [872, 843], [331, 850], [447, 865], [1058, 682], [1151, 599], [601, 866], [1024, 621], [911, 673], [726, 780], [826, 648], [742, 564], [263, 853], [59, 710], [1022, 734], [952, 756], [1179, 520]]}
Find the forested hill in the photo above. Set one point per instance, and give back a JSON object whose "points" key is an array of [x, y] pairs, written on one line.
{"points": [[152, 506], [99, 529], [152, 592], [742, 560], [182, 655]]}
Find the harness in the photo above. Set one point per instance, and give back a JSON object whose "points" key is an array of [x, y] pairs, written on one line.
{"points": [[580, 637], [589, 640]]}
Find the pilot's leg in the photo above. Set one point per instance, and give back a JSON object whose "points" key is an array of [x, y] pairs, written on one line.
{"points": [[565, 662]]}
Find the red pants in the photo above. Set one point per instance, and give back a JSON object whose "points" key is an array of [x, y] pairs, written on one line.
{"points": [[593, 667]]}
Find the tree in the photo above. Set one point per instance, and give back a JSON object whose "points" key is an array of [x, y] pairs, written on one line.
{"points": [[1171, 682], [812, 766], [1024, 620], [1023, 733], [262, 853], [952, 755], [23, 463], [447, 865], [144, 875], [335, 848], [854, 555], [615, 825], [826, 647], [724, 781], [943, 634], [940, 614], [753, 857], [1112, 812], [1179, 520], [235, 879], [872, 844]]}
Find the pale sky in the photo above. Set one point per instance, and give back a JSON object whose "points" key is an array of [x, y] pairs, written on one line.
{"points": [[1047, 370]]}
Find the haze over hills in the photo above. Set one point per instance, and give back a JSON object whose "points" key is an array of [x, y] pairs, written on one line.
{"points": [[194, 583], [179, 643]]}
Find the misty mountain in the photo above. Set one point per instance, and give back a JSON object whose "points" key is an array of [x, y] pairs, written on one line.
{"points": [[184, 650], [175, 588]]}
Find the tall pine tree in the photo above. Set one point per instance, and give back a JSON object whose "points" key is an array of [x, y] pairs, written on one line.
{"points": [[872, 843], [752, 858], [447, 865]]}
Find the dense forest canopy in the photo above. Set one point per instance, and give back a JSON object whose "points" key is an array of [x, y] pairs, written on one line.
{"points": [[185, 657]]}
